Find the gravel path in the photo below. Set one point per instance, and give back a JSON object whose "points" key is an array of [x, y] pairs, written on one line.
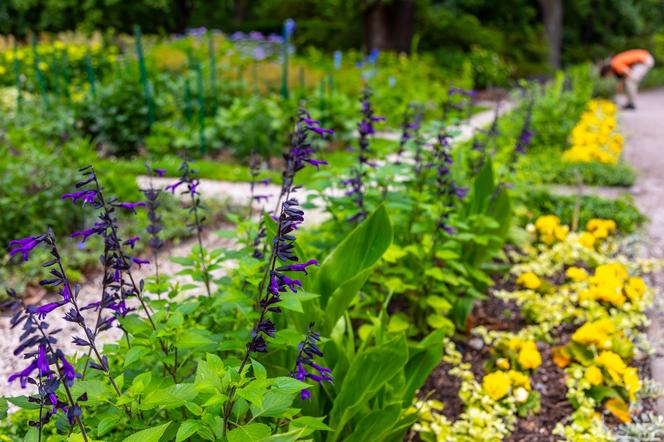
{"points": [[235, 193], [644, 132]]}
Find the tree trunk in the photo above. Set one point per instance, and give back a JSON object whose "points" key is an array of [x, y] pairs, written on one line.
{"points": [[552, 16], [239, 9], [388, 25]]}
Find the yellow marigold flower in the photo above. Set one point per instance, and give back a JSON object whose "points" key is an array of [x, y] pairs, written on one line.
{"points": [[593, 375], [519, 379], [632, 382], [635, 287], [503, 364], [529, 356], [613, 363], [596, 333], [576, 274], [514, 343], [613, 270], [587, 240], [529, 280], [496, 385], [560, 357], [619, 409]]}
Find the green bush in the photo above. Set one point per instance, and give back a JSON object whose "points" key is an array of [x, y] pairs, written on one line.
{"points": [[539, 202]]}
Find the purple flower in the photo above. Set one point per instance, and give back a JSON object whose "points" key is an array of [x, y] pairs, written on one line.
{"points": [[42, 361], [24, 374], [289, 27], [85, 234], [130, 206], [24, 246], [172, 187], [45, 309], [131, 242], [308, 351], [68, 370], [160, 172], [140, 261], [87, 196], [298, 267], [316, 163]]}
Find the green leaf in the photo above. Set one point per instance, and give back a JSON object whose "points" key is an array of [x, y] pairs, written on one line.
{"points": [[22, 402], [310, 423], [134, 354], [440, 322], [249, 433], [375, 424], [187, 429], [3, 408], [170, 397], [253, 392], [273, 405], [345, 270], [32, 435], [196, 339], [438, 303], [423, 358], [259, 371], [398, 323], [369, 371], [105, 425], [287, 385], [149, 435]]}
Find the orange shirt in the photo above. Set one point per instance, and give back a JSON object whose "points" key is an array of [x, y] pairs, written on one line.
{"points": [[621, 63]]}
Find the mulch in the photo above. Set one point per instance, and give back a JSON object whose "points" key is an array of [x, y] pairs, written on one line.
{"points": [[548, 379]]}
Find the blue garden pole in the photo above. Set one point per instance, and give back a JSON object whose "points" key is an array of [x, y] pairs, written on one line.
{"points": [[288, 28]]}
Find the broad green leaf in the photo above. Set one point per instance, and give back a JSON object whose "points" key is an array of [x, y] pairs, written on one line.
{"points": [[3, 408], [259, 371], [149, 435], [22, 402], [438, 303], [105, 425], [310, 423], [134, 354], [195, 339], [170, 397], [32, 435], [287, 385], [398, 323], [187, 428], [375, 424], [440, 322], [369, 371], [423, 358], [273, 405], [249, 433], [345, 270], [253, 392]]}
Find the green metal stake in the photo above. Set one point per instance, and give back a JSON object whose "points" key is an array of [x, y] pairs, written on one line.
{"points": [[201, 108], [40, 77], [188, 105], [213, 74], [144, 75], [64, 64], [322, 98], [17, 74], [56, 75], [91, 75]]}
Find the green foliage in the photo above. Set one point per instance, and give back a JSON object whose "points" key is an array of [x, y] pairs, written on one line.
{"points": [[622, 210]]}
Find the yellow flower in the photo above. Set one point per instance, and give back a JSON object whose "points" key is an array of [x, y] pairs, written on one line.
{"points": [[561, 357], [529, 280], [613, 363], [593, 375], [576, 274], [3, 71], [596, 333], [635, 287], [519, 379], [632, 382], [496, 385], [587, 240], [503, 364], [514, 343], [549, 228], [619, 409], [529, 356]]}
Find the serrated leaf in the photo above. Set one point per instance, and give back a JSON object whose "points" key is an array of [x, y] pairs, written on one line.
{"points": [[249, 433], [148, 435]]}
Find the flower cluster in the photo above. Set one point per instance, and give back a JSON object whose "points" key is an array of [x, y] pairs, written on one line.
{"points": [[410, 128], [602, 352], [283, 259], [191, 182], [446, 188], [612, 284], [308, 350], [594, 138], [356, 183], [152, 204]]}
